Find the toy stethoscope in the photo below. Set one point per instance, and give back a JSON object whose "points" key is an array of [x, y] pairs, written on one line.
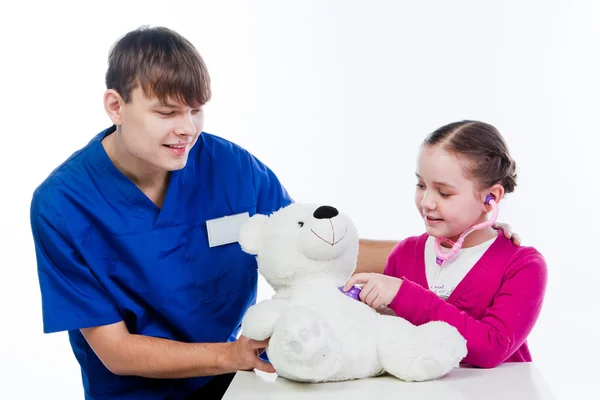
{"points": [[441, 257], [354, 292]]}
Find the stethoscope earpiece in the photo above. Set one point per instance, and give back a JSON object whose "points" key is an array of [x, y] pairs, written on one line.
{"points": [[456, 246]]}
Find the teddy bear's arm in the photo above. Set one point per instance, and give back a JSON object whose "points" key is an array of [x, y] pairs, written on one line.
{"points": [[259, 321]]}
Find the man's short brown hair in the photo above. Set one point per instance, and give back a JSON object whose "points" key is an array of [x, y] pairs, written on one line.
{"points": [[163, 63]]}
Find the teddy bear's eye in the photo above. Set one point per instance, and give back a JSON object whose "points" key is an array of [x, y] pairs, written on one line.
{"points": [[300, 224]]}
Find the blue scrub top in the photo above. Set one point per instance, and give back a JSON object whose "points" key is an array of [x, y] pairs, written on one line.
{"points": [[106, 253]]}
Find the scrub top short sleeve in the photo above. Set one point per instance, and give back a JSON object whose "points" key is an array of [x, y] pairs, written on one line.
{"points": [[73, 297]]}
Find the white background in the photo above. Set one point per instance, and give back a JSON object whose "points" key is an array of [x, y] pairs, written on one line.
{"points": [[335, 96]]}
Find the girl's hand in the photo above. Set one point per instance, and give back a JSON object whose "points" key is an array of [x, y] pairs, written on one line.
{"points": [[378, 290], [513, 237]]}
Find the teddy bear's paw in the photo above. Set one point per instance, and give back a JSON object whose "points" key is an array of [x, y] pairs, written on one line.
{"points": [[307, 350], [443, 343], [442, 349], [420, 353]]}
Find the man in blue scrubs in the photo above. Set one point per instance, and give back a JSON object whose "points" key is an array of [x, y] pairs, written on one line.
{"points": [[135, 235], [135, 258]]}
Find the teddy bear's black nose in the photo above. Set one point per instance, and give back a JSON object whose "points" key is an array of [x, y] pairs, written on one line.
{"points": [[325, 212]]}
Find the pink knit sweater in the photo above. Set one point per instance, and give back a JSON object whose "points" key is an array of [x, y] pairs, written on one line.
{"points": [[494, 307]]}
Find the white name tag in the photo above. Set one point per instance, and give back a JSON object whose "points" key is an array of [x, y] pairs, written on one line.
{"points": [[225, 230]]}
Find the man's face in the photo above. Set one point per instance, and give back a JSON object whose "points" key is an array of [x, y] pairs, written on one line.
{"points": [[158, 134]]}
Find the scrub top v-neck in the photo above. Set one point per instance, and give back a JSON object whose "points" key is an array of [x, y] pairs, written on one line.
{"points": [[107, 253], [146, 210]]}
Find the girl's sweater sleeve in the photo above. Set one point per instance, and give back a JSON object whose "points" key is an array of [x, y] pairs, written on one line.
{"points": [[505, 324]]}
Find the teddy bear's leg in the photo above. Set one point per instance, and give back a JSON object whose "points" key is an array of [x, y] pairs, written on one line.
{"points": [[418, 353], [303, 347]]}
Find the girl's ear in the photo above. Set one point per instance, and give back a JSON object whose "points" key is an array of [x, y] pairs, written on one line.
{"points": [[497, 191]]}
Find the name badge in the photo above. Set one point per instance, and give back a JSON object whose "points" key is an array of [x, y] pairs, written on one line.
{"points": [[225, 230]]}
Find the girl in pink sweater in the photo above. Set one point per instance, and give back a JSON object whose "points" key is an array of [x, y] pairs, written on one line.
{"points": [[492, 291]]}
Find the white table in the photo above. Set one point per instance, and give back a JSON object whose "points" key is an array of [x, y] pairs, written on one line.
{"points": [[514, 381]]}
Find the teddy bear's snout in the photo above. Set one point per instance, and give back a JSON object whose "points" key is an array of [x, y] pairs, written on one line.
{"points": [[324, 235]]}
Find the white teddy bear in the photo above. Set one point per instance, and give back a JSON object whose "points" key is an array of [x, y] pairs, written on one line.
{"points": [[318, 333]]}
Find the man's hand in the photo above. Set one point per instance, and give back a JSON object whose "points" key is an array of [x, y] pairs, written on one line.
{"points": [[513, 237], [378, 290], [243, 355]]}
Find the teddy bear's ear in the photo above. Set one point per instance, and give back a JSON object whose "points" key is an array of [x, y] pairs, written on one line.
{"points": [[251, 233]]}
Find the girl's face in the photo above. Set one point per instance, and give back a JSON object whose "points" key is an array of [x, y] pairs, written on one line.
{"points": [[447, 200]]}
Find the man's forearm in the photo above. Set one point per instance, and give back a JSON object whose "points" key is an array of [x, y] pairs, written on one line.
{"points": [[373, 255], [152, 357]]}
